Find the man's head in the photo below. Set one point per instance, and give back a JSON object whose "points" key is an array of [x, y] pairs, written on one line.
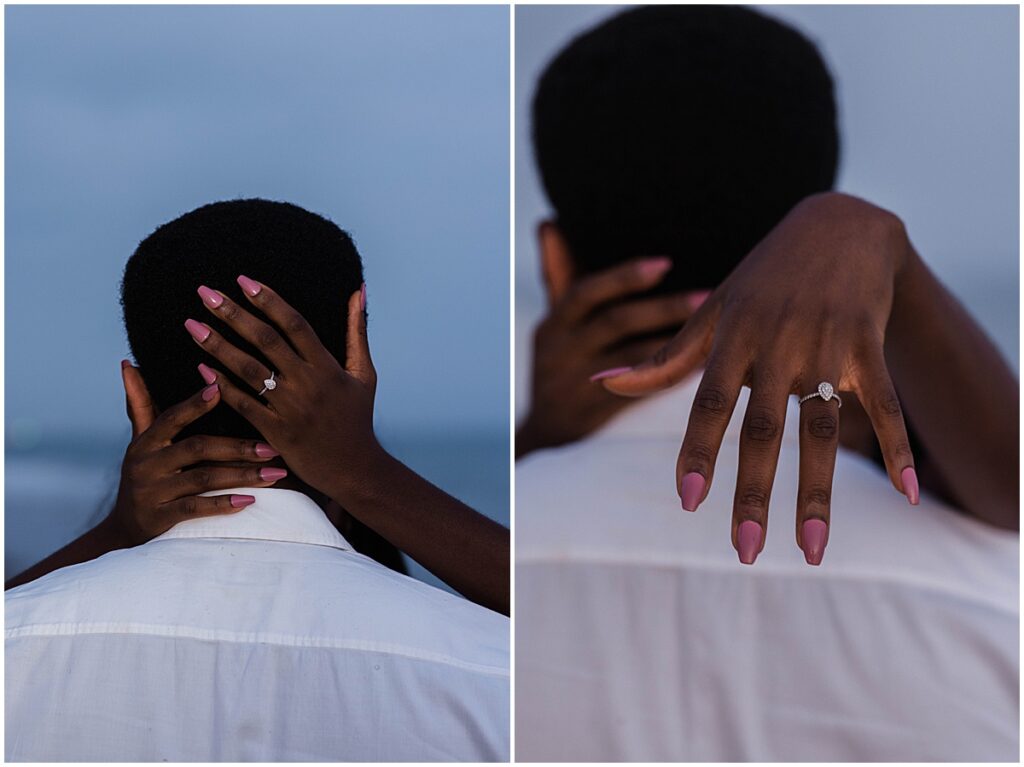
{"points": [[308, 260], [686, 131]]}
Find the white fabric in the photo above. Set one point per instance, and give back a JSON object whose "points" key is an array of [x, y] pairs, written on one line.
{"points": [[640, 636], [259, 636]]}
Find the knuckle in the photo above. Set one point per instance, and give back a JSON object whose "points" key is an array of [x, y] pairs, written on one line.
{"points": [[190, 506], [699, 455], [817, 496], [888, 404], [711, 401], [229, 310], [900, 449], [203, 479], [295, 323], [761, 426], [251, 371], [822, 427], [755, 496], [267, 338]]}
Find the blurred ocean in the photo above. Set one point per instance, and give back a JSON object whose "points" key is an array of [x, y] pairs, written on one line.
{"points": [[56, 490]]}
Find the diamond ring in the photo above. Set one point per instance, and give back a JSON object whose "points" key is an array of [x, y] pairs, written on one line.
{"points": [[826, 391], [270, 384]]}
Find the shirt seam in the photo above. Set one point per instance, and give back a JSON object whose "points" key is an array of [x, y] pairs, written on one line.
{"points": [[236, 637]]}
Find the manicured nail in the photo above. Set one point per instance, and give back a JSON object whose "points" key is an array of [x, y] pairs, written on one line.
{"points": [[814, 536], [654, 267], [609, 373], [692, 488], [697, 298], [271, 474], [241, 501], [263, 450], [125, 364], [210, 392], [910, 486], [198, 330], [211, 298], [749, 538], [251, 287], [207, 373], [362, 297]]}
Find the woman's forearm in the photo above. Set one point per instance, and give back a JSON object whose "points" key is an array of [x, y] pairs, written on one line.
{"points": [[460, 546], [101, 539], [959, 394]]}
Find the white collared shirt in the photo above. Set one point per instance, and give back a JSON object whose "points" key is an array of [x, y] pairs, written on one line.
{"points": [[257, 636], [640, 636]]}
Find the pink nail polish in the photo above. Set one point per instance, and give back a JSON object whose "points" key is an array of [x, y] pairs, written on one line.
{"points": [[692, 490], [211, 298], [362, 297], [241, 501], [125, 364], [696, 299], [910, 487], [654, 267], [251, 287], [814, 536], [749, 538], [263, 450], [210, 392], [271, 474], [609, 373], [198, 330], [208, 375]]}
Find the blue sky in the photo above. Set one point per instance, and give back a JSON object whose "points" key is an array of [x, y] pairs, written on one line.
{"points": [[392, 121]]}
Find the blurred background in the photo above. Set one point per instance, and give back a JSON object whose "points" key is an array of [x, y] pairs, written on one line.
{"points": [[928, 115], [391, 121]]}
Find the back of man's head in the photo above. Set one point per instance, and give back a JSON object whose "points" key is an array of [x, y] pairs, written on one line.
{"points": [[686, 131], [305, 258]]}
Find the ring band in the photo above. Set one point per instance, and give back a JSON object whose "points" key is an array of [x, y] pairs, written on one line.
{"points": [[826, 391], [269, 384]]}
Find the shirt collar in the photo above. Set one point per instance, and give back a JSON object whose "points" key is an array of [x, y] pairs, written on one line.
{"points": [[286, 516]]}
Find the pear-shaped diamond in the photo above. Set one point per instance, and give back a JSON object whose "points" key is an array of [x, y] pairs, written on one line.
{"points": [[271, 384], [825, 390]]}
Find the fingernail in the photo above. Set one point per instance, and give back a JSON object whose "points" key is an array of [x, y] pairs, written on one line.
{"points": [[210, 392], [814, 536], [692, 488], [696, 299], [263, 450], [251, 287], [910, 486], [271, 474], [241, 501], [652, 267], [211, 298], [362, 297], [125, 364], [749, 538], [208, 375], [198, 330], [611, 373]]}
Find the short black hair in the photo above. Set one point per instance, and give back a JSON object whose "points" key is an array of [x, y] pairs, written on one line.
{"points": [[308, 260], [686, 131]]}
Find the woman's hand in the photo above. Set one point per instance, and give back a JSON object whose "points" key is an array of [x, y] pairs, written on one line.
{"points": [[589, 327], [809, 304], [160, 481], [320, 417]]}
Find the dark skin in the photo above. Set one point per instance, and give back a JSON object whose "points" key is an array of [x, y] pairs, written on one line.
{"points": [[837, 293], [320, 420]]}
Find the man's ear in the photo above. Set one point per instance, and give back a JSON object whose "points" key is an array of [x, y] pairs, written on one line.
{"points": [[555, 261]]}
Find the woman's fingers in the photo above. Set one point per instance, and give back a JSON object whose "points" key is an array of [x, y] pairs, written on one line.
{"points": [[672, 363], [878, 395], [819, 441], [174, 419], [636, 318], [202, 448], [710, 414], [196, 506], [204, 479], [357, 346], [288, 320], [760, 440], [246, 367], [251, 409], [613, 284], [141, 411], [261, 335]]}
